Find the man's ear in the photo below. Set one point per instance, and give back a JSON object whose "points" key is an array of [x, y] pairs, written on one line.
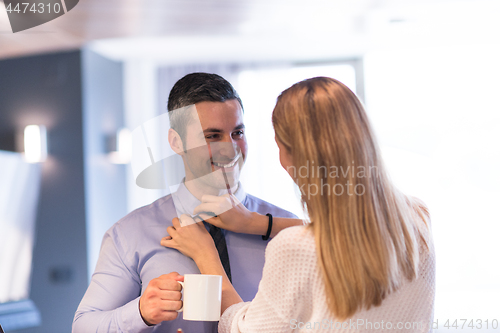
{"points": [[175, 141]]}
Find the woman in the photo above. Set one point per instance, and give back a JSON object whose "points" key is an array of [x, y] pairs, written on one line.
{"points": [[365, 262]]}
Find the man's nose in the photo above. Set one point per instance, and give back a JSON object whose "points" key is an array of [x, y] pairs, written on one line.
{"points": [[227, 138], [229, 149], [226, 148]]}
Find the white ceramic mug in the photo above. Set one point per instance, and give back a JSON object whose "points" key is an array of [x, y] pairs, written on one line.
{"points": [[201, 297]]}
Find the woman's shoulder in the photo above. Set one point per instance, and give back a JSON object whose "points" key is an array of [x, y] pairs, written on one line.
{"points": [[422, 220], [292, 253], [420, 210], [297, 238], [295, 233]]}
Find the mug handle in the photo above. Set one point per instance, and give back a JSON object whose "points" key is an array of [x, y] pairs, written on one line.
{"points": [[180, 310]]}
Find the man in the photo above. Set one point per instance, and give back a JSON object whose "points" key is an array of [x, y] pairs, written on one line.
{"points": [[130, 290]]}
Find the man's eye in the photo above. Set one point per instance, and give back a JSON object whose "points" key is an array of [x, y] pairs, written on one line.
{"points": [[238, 134], [212, 136]]}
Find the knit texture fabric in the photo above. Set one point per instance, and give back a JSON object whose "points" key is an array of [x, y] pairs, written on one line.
{"points": [[291, 295]]}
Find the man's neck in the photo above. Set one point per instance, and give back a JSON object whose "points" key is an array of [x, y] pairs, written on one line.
{"points": [[199, 189]]}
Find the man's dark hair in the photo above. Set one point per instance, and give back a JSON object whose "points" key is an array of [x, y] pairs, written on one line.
{"points": [[195, 88]]}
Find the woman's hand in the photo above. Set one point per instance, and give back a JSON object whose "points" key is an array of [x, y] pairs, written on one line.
{"points": [[192, 239], [231, 215]]}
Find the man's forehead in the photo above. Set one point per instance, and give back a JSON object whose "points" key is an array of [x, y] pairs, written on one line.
{"points": [[215, 125], [221, 116]]}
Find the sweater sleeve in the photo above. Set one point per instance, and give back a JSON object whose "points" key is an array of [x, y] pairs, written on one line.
{"points": [[284, 294], [111, 303]]}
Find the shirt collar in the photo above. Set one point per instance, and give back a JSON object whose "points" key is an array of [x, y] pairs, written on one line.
{"points": [[185, 202]]}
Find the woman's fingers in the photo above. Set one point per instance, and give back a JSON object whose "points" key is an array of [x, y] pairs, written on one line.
{"points": [[168, 242], [216, 221], [176, 223], [216, 208], [171, 231], [185, 221], [217, 205], [210, 198], [206, 207]]}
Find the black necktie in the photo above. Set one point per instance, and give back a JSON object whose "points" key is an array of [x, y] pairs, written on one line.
{"points": [[220, 244]]}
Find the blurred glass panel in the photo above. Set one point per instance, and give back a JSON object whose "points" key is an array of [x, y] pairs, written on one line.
{"points": [[19, 191]]}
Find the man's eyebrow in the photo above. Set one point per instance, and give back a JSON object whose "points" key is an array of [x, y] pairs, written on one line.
{"points": [[212, 130], [218, 130]]}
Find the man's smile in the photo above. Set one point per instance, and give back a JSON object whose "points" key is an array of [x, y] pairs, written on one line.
{"points": [[228, 164]]}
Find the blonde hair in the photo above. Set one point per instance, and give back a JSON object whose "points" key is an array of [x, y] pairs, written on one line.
{"points": [[367, 243]]}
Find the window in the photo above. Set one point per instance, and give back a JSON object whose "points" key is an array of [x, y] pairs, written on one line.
{"points": [[436, 114], [259, 88]]}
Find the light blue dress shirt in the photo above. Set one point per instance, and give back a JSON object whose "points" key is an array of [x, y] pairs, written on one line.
{"points": [[131, 256]]}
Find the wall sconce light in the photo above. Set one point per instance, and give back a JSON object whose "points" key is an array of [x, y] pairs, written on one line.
{"points": [[120, 147], [35, 143]]}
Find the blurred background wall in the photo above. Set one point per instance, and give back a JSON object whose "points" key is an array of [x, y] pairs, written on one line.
{"points": [[47, 90]]}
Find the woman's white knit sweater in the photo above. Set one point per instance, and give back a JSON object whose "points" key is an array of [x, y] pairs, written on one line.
{"points": [[291, 296]]}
